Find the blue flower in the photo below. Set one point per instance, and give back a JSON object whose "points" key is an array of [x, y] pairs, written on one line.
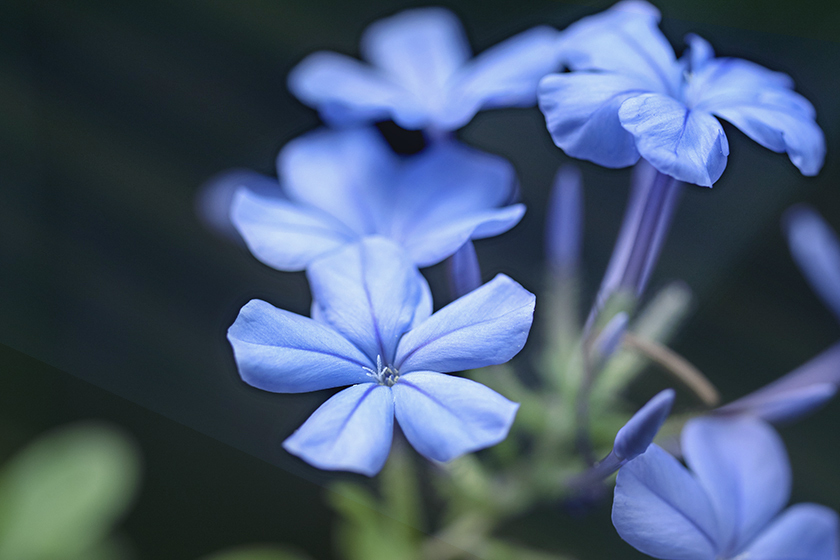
{"points": [[420, 73], [629, 97], [727, 507], [816, 250], [372, 329], [341, 186]]}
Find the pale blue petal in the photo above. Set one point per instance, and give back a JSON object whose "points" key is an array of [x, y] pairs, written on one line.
{"points": [[284, 235], [688, 145], [637, 434], [816, 249], [344, 90], [662, 511], [762, 104], [799, 392], [743, 466], [215, 197], [352, 431], [346, 173], [444, 416], [564, 223], [487, 326], [772, 120], [505, 75], [445, 195], [283, 352], [801, 532], [421, 50], [624, 39], [776, 406], [463, 271], [436, 243], [700, 53], [581, 113], [370, 293]]}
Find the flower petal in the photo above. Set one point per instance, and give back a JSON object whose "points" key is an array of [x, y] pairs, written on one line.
{"points": [[773, 121], [743, 466], [215, 197], [661, 510], [421, 50], [487, 326], [346, 173], [344, 90], [799, 392], [688, 145], [581, 113], [816, 249], [801, 532], [439, 242], [505, 75], [445, 195], [636, 435], [370, 293], [284, 235], [352, 431], [444, 416], [763, 105], [624, 39], [283, 352]]}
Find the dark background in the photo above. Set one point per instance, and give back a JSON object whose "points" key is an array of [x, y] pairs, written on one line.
{"points": [[115, 298]]}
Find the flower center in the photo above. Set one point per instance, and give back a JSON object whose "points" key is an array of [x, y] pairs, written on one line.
{"points": [[386, 375]]}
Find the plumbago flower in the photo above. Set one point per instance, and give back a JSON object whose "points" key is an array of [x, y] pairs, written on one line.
{"points": [[342, 186], [372, 329], [420, 73], [816, 250], [628, 96], [727, 507]]}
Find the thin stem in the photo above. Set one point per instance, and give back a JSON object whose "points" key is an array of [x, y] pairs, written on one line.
{"points": [[676, 365]]}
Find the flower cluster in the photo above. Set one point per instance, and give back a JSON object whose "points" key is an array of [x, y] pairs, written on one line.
{"points": [[361, 219]]}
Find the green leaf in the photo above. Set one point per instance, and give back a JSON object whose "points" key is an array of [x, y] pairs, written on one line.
{"points": [[63, 493]]}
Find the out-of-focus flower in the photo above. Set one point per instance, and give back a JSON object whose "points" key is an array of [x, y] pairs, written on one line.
{"points": [[420, 74], [816, 250], [463, 271], [728, 506], [628, 96], [342, 186], [564, 223], [372, 329]]}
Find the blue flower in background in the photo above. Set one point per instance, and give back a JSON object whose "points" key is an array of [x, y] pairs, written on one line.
{"points": [[420, 73], [628, 96], [816, 249], [372, 329], [728, 506], [341, 186]]}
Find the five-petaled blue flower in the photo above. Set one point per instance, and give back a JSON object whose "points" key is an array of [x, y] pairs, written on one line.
{"points": [[372, 328], [628, 96], [421, 76], [728, 506], [341, 186]]}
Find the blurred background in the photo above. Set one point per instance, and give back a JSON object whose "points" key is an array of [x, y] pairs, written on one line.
{"points": [[115, 298]]}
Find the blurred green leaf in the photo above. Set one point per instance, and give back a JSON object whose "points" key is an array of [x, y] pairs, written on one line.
{"points": [[258, 552], [63, 493], [365, 532]]}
